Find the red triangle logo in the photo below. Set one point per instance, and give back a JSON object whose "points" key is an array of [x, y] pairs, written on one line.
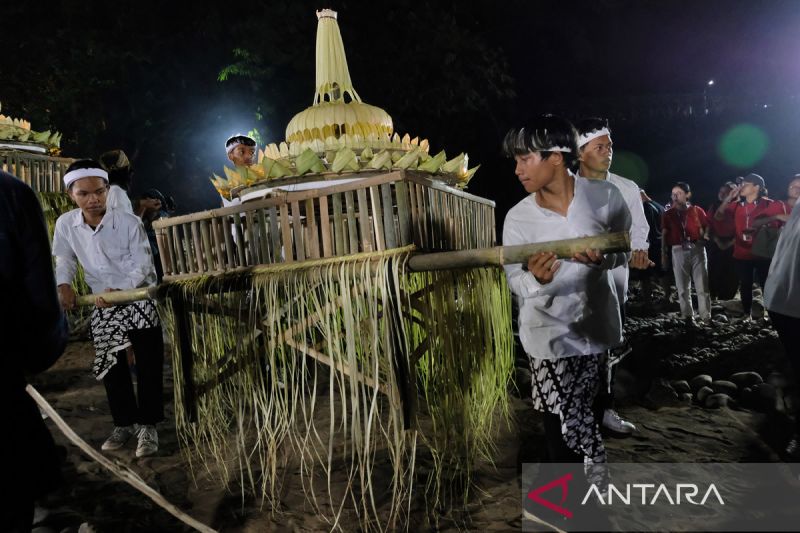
{"points": [[535, 495]]}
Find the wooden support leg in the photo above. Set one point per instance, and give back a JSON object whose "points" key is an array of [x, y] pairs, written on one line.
{"points": [[182, 325], [404, 373]]}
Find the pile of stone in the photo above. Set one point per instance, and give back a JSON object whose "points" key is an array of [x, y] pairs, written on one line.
{"points": [[742, 390]]}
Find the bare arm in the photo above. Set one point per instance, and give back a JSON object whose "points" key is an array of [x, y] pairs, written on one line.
{"points": [[719, 214], [757, 223]]}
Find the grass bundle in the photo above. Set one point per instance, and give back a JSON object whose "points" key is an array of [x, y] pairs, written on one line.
{"points": [[305, 370]]}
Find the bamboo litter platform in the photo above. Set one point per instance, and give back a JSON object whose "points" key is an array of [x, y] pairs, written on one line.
{"points": [[238, 278], [41, 172], [383, 212], [495, 256]]}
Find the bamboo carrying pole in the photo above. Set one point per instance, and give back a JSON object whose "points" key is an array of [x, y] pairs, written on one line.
{"points": [[126, 474], [482, 257], [509, 255], [120, 297]]}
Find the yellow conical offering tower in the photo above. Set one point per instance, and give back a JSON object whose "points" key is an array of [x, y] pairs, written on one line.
{"points": [[337, 110], [339, 133]]}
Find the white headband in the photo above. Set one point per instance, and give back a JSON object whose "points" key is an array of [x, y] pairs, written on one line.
{"points": [[557, 149], [79, 173], [592, 135], [234, 144]]}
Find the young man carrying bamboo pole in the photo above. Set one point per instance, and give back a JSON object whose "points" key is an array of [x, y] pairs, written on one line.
{"points": [[595, 151], [113, 250], [568, 309]]}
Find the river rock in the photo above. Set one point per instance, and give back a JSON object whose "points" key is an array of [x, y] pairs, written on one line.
{"points": [[717, 400], [702, 394], [681, 386], [698, 382], [746, 379], [725, 387]]}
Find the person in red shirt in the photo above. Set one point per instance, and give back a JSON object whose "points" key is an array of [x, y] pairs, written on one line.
{"points": [[723, 282], [751, 212], [684, 230]]}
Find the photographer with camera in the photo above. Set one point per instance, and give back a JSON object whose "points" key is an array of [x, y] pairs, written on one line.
{"points": [[752, 211]]}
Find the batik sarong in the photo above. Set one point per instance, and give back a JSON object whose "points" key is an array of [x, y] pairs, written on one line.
{"points": [[110, 326], [567, 387]]}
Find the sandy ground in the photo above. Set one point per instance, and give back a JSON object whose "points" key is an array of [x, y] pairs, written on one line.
{"points": [[668, 432]]}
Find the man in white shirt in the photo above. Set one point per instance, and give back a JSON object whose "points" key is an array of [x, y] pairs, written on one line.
{"points": [[782, 300], [112, 248], [120, 174], [568, 309], [595, 154]]}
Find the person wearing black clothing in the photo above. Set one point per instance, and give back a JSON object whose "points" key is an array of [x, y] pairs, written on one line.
{"points": [[653, 211], [722, 276], [34, 333], [162, 208]]}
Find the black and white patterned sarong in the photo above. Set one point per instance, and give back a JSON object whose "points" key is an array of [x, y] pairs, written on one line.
{"points": [[567, 387], [110, 326]]}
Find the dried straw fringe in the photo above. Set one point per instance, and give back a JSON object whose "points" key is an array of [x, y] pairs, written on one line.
{"points": [[337, 424]]}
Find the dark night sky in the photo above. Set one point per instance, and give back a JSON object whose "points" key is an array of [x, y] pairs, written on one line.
{"points": [[143, 76]]}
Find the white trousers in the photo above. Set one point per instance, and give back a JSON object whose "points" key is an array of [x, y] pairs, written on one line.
{"points": [[692, 265]]}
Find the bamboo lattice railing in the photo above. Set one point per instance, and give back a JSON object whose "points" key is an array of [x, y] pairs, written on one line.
{"points": [[377, 213], [43, 173]]}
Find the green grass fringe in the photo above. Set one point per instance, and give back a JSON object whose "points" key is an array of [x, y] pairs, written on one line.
{"points": [[270, 414]]}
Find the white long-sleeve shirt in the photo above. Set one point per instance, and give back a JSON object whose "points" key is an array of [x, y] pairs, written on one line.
{"points": [[782, 289], [114, 255], [640, 229], [117, 198], [577, 313]]}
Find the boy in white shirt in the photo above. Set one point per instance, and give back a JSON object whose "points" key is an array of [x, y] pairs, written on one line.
{"points": [[569, 313], [120, 175], [595, 152]]}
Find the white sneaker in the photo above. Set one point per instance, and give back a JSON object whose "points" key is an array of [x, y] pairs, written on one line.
{"points": [[612, 421], [793, 448], [119, 437], [148, 441]]}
